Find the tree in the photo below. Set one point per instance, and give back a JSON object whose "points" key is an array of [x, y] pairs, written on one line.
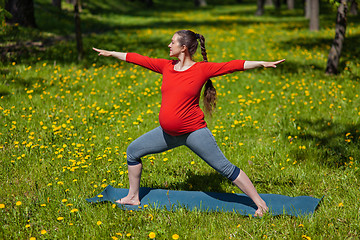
{"points": [[307, 9], [340, 30], [56, 3], [353, 8], [200, 3], [314, 15], [22, 12], [79, 43], [260, 7], [290, 4]]}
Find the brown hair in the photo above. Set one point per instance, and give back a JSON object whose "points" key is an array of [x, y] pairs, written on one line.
{"points": [[189, 39]]}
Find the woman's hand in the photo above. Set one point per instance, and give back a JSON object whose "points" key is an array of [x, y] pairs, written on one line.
{"points": [[272, 64], [104, 53], [258, 64]]}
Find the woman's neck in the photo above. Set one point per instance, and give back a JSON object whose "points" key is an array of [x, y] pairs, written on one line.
{"points": [[184, 63]]}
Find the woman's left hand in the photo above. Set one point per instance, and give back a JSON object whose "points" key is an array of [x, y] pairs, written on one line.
{"points": [[272, 64]]}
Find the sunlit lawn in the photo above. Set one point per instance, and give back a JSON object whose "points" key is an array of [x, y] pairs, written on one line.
{"points": [[65, 127]]}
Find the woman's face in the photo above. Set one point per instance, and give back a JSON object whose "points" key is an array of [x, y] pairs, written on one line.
{"points": [[175, 47]]}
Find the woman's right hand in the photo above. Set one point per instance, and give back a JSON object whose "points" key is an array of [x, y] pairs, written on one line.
{"points": [[104, 53]]}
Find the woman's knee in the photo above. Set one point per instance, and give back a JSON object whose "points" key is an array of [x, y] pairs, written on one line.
{"points": [[132, 156]]}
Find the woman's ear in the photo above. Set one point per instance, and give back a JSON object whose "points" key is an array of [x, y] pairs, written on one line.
{"points": [[184, 48]]}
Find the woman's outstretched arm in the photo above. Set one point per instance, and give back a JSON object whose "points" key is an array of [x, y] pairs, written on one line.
{"points": [[257, 64], [106, 53]]}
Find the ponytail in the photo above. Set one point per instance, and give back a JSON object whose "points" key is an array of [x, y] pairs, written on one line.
{"points": [[190, 40], [209, 98]]}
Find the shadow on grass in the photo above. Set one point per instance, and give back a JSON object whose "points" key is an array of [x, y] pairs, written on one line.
{"points": [[210, 182], [97, 18], [336, 143], [322, 45]]}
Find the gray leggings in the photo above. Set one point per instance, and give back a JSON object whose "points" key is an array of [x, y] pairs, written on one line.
{"points": [[201, 142]]}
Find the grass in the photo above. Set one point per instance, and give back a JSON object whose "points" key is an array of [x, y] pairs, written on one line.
{"points": [[65, 125]]}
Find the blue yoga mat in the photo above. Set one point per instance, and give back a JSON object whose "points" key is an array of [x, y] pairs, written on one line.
{"points": [[210, 201]]}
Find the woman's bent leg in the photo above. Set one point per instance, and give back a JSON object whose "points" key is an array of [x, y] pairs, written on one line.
{"points": [[203, 143], [155, 141]]}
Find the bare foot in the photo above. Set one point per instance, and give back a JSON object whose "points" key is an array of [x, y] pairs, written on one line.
{"points": [[128, 201], [261, 211]]}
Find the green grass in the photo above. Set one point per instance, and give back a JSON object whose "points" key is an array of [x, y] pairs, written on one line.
{"points": [[65, 125]]}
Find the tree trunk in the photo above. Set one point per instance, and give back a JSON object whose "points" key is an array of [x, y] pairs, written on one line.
{"points": [[79, 43], [260, 7], [200, 3], [307, 9], [340, 30], [56, 3], [291, 4], [353, 8], [22, 12], [314, 15], [277, 4]]}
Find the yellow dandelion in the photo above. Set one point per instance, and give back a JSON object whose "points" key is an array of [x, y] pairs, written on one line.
{"points": [[74, 210], [100, 195], [98, 223], [43, 231], [33, 238], [175, 236], [64, 200], [2, 205], [18, 203], [152, 235], [60, 218], [306, 237], [128, 235], [341, 204], [115, 238]]}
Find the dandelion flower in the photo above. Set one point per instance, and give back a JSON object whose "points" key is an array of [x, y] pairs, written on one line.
{"points": [[2, 205], [74, 210], [18, 203], [43, 231], [60, 218], [341, 204], [98, 223], [152, 235], [175, 236], [33, 238]]}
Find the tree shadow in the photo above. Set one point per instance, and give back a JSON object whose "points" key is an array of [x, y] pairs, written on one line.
{"points": [[350, 49], [213, 182], [333, 143]]}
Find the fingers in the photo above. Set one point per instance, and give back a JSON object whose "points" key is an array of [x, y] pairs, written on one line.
{"points": [[280, 61], [274, 64]]}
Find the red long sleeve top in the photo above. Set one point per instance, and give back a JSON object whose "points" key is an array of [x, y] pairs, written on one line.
{"points": [[180, 112]]}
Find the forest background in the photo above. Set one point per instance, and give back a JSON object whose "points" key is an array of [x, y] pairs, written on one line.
{"points": [[67, 116]]}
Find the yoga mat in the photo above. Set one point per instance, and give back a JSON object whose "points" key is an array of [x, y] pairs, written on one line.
{"points": [[210, 201]]}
